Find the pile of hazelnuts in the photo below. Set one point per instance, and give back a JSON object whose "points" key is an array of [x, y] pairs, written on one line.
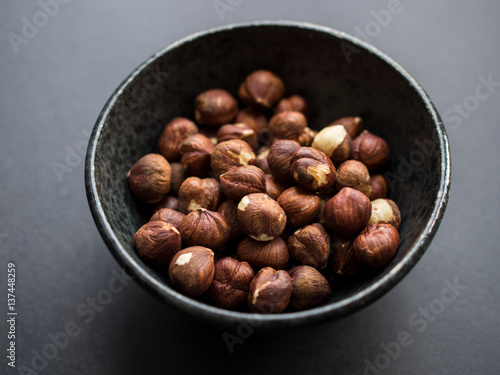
{"points": [[259, 181]]}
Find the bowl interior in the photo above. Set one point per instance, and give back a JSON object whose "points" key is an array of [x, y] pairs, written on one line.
{"points": [[337, 75]]}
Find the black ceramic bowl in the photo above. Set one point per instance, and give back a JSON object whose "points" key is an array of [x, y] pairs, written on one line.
{"points": [[339, 75]]}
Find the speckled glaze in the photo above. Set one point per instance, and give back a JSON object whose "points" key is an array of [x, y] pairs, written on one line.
{"points": [[339, 75]]}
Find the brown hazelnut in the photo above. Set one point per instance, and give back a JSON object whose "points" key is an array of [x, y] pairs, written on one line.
{"points": [[168, 216], [353, 125], [385, 211], [354, 174], [306, 137], [176, 132], [270, 291], [312, 169], [334, 142], [253, 118], [310, 245], [301, 206], [231, 154], [215, 107], [342, 258], [191, 270], [178, 177], [376, 245], [241, 181], [295, 103], [167, 202], [264, 254], [205, 228], [229, 209], [262, 159], [379, 186], [238, 131], [195, 155], [279, 157], [149, 178], [261, 217], [288, 125], [157, 241], [348, 212], [371, 150], [261, 89], [274, 188], [231, 283], [309, 288], [197, 193]]}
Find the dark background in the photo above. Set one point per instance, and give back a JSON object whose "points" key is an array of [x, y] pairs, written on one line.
{"points": [[52, 91]]}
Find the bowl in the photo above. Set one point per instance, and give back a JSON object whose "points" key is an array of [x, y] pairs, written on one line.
{"points": [[339, 75]]}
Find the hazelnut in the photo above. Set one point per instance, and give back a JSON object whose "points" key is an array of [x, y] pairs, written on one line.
{"points": [[300, 206], [195, 155], [176, 132], [238, 131], [149, 178], [342, 258], [231, 283], [231, 154], [205, 228], [306, 137], [168, 216], [197, 193], [262, 159], [264, 254], [191, 270], [229, 209], [167, 202], [270, 291], [334, 142], [274, 188], [241, 181], [288, 125], [157, 241], [215, 107], [312, 169], [376, 245], [253, 118], [379, 186], [309, 288], [385, 211], [178, 177], [295, 103], [279, 157], [348, 212], [261, 89], [354, 174], [310, 245], [353, 125], [371, 150], [261, 217]]}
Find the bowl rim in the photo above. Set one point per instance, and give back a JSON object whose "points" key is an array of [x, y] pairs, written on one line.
{"points": [[220, 316]]}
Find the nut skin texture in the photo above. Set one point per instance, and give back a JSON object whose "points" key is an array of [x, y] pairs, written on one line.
{"points": [[238, 131], [274, 188], [279, 157], [215, 107], [385, 211], [261, 89], [379, 186], [306, 137], [342, 258], [371, 150], [191, 270], [167, 202], [348, 212], [195, 155], [168, 216], [158, 242], [262, 159], [231, 154], [229, 209], [295, 103], [197, 193], [353, 125], [376, 245], [354, 174], [288, 125], [309, 288], [241, 181], [310, 245], [301, 206], [149, 178], [261, 217], [270, 291], [334, 142], [231, 283], [176, 132], [205, 228], [312, 169], [253, 118], [178, 177], [264, 254]]}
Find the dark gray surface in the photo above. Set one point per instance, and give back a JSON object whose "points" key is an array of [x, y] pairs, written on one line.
{"points": [[53, 90]]}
